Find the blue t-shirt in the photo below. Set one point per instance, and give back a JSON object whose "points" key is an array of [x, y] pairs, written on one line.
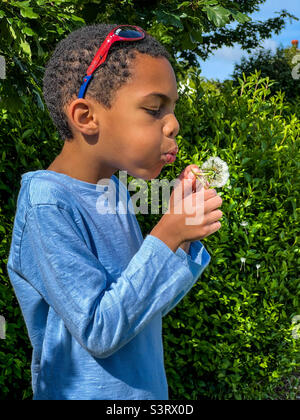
{"points": [[92, 290]]}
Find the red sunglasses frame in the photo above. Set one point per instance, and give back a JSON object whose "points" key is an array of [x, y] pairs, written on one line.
{"points": [[101, 54]]}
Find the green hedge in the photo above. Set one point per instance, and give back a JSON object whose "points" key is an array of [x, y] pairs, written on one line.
{"points": [[27, 141], [231, 336]]}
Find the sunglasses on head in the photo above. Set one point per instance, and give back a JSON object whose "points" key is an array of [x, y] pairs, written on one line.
{"points": [[119, 33]]}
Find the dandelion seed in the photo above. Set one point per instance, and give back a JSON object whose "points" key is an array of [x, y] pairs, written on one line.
{"points": [[243, 260]]}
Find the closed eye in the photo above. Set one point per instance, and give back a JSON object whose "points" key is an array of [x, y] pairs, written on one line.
{"points": [[153, 112]]}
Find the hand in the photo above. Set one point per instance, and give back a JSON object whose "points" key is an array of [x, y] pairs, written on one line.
{"points": [[191, 213], [186, 172]]}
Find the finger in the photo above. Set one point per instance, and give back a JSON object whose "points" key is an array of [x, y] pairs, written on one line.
{"points": [[187, 171], [213, 216], [212, 203], [182, 189], [209, 194], [214, 227]]}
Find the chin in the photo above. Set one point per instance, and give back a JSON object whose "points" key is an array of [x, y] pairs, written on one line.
{"points": [[146, 174], [154, 174]]}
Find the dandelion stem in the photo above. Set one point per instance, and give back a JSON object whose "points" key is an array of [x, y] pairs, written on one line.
{"points": [[200, 175]]}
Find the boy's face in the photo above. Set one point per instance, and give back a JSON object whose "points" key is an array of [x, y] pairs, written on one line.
{"points": [[129, 135]]}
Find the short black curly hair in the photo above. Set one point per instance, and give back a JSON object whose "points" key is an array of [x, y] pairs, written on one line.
{"points": [[72, 56]]}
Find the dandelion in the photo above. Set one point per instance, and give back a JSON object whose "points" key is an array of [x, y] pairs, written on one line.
{"points": [[244, 224], [243, 260], [257, 268], [214, 171]]}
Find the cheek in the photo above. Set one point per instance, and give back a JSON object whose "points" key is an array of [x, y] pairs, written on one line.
{"points": [[136, 137], [144, 141], [139, 154]]}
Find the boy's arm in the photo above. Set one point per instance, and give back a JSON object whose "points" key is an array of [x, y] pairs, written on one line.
{"points": [[102, 315], [196, 259]]}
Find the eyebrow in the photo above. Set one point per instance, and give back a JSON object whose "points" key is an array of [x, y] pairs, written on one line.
{"points": [[160, 95]]}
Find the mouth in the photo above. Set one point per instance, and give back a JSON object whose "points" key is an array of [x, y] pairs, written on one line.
{"points": [[169, 157]]}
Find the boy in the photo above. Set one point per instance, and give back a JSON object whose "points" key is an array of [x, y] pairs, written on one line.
{"points": [[92, 291]]}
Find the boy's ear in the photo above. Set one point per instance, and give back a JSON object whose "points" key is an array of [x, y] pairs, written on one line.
{"points": [[82, 115]]}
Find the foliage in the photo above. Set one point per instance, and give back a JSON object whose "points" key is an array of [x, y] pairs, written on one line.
{"points": [[15, 350], [31, 29], [277, 66], [27, 141], [230, 337]]}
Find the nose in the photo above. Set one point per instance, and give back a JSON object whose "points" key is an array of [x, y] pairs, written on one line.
{"points": [[172, 126]]}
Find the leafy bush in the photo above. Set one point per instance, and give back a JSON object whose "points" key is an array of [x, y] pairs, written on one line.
{"points": [[277, 66], [15, 351], [230, 337], [26, 143]]}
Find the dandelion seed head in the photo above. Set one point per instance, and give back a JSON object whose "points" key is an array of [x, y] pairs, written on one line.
{"points": [[220, 171]]}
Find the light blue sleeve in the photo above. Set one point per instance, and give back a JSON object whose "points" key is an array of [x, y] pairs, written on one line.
{"points": [[102, 317], [196, 260]]}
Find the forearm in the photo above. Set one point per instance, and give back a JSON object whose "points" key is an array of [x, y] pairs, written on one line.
{"points": [[167, 239]]}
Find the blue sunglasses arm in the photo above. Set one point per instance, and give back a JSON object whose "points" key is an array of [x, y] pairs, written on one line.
{"points": [[83, 87]]}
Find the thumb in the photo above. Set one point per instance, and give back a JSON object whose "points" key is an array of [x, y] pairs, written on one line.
{"points": [[190, 173], [183, 187], [198, 181]]}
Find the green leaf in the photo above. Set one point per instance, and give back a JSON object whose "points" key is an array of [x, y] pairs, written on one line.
{"points": [[27, 133], [186, 41], [28, 31], [196, 36], [40, 49], [28, 13], [12, 32], [185, 3], [21, 3], [41, 2], [25, 47], [241, 17], [168, 19], [38, 100], [77, 19], [218, 15]]}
